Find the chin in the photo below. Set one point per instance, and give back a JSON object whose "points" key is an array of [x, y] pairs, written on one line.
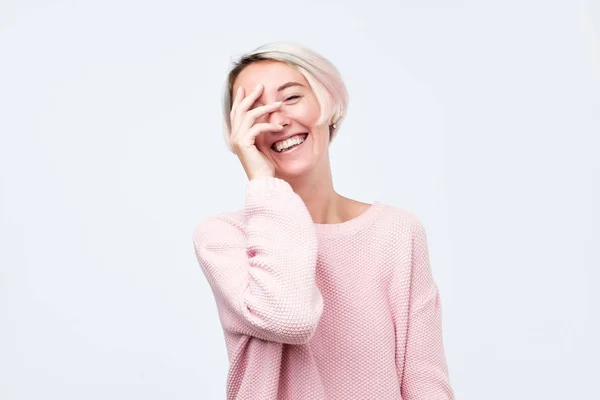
{"points": [[294, 169]]}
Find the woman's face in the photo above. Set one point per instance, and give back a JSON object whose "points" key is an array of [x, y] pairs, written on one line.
{"points": [[299, 114]]}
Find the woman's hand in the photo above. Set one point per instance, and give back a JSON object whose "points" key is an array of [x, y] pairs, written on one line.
{"points": [[244, 132]]}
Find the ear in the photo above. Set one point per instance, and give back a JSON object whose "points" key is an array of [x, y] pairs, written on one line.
{"points": [[332, 128]]}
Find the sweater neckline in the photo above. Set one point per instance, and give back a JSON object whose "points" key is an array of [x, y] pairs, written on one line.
{"points": [[353, 224]]}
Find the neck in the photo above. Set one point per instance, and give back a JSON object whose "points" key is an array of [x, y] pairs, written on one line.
{"points": [[316, 190]]}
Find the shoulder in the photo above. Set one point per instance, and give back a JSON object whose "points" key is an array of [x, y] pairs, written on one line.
{"points": [[400, 217], [399, 224]]}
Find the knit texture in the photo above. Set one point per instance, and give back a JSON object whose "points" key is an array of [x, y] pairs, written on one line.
{"points": [[344, 311]]}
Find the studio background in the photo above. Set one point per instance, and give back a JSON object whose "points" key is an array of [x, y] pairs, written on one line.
{"points": [[480, 117]]}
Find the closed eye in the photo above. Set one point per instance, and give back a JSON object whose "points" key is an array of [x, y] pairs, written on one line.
{"points": [[292, 97]]}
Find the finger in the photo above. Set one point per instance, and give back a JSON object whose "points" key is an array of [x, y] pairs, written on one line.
{"points": [[250, 99], [239, 95], [248, 119], [259, 128], [249, 136], [259, 111]]}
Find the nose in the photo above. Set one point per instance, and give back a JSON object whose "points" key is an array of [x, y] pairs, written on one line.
{"points": [[278, 117]]}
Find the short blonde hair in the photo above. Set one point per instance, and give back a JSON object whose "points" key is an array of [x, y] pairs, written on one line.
{"points": [[322, 76]]}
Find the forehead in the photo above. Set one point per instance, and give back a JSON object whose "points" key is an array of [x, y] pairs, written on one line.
{"points": [[271, 74]]}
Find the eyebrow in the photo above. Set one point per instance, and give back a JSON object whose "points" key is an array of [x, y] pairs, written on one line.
{"points": [[287, 85]]}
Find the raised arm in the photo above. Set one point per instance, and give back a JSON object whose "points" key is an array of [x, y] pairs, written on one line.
{"points": [[261, 267]]}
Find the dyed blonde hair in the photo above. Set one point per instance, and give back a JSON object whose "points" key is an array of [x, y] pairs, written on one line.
{"points": [[322, 76]]}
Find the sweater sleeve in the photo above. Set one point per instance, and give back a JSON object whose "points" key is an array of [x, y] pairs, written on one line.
{"points": [[262, 268], [425, 370]]}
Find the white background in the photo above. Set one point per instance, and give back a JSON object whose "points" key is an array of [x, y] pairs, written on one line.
{"points": [[480, 117]]}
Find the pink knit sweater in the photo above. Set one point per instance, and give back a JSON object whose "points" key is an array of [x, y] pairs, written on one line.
{"points": [[343, 311]]}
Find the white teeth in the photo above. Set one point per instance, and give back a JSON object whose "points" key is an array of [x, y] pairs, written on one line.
{"points": [[280, 146]]}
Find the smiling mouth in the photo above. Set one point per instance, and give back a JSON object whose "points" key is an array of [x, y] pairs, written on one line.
{"points": [[294, 142]]}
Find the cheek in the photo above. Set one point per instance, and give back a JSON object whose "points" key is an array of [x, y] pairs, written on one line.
{"points": [[314, 112], [306, 114], [260, 143]]}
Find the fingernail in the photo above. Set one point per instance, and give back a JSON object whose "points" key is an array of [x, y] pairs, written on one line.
{"points": [[258, 86]]}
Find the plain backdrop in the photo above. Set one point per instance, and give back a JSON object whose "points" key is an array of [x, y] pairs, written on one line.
{"points": [[480, 117]]}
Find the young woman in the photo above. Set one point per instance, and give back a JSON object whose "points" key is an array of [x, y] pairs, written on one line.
{"points": [[319, 296]]}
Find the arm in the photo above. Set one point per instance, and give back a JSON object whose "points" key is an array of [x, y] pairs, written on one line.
{"points": [[262, 269], [425, 373]]}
